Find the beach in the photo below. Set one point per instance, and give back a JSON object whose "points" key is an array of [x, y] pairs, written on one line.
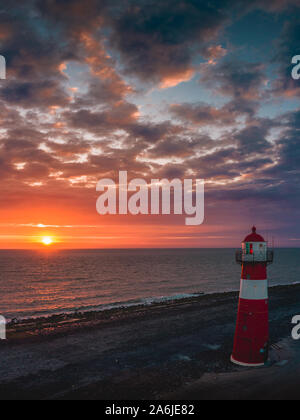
{"points": [[172, 350]]}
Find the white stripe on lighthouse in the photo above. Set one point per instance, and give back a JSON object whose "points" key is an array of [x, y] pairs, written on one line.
{"points": [[254, 289]]}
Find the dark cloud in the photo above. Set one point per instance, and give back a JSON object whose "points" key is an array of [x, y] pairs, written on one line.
{"points": [[70, 149], [275, 5], [241, 80], [157, 40], [102, 122], [290, 155], [34, 53], [252, 140], [74, 14], [101, 93], [152, 133], [171, 171], [287, 169], [181, 147], [287, 46], [203, 114], [45, 93]]}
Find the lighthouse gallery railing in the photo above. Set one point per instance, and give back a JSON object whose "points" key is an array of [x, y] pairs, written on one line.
{"points": [[242, 258]]}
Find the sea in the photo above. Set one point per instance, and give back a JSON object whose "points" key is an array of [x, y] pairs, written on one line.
{"points": [[43, 283]]}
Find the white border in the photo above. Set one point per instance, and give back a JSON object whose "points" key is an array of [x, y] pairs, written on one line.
{"points": [[246, 364]]}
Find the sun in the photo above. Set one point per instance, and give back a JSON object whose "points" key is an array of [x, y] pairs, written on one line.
{"points": [[47, 240]]}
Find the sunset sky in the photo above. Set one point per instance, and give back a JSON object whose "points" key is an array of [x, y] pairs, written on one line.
{"points": [[164, 89]]}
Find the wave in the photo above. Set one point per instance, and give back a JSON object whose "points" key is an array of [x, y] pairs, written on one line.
{"points": [[106, 307], [127, 304]]}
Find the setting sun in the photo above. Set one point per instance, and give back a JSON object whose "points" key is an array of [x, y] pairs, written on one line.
{"points": [[47, 240]]}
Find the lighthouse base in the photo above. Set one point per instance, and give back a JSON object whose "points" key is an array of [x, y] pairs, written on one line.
{"points": [[245, 364]]}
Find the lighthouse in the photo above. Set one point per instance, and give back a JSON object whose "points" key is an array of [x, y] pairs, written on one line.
{"points": [[251, 341]]}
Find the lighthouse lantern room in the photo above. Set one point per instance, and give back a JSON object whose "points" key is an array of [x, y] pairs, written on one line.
{"points": [[252, 331]]}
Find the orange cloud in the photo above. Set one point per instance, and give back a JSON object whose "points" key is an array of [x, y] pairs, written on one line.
{"points": [[176, 79], [102, 65]]}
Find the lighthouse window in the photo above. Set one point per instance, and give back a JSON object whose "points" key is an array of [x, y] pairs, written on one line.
{"points": [[251, 249]]}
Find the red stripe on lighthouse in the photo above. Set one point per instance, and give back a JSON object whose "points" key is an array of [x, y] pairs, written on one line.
{"points": [[252, 333], [253, 271]]}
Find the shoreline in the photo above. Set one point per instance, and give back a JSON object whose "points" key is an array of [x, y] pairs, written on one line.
{"points": [[127, 305], [79, 319], [109, 307]]}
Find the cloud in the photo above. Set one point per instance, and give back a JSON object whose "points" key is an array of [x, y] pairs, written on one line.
{"points": [[287, 46], [41, 94], [157, 40], [237, 79], [287, 169], [276, 5], [252, 140], [34, 56], [203, 114], [151, 132], [102, 122], [180, 147], [177, 78], [214, 53]]}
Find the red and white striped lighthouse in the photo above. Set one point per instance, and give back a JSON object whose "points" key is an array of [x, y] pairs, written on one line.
{"points": [[251, 342]]}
